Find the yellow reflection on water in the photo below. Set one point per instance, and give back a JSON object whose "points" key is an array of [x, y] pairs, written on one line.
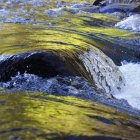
{"points": [[39, 116]]}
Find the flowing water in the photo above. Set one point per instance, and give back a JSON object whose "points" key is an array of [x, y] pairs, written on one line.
{"points": [[64, 48], [131, 72]]}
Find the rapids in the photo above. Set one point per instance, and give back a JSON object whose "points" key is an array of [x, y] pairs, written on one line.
{"points": [[130, 92], [61, 71]]}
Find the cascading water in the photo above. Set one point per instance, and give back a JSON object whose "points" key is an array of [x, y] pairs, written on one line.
{"points": [[52, 48], [131, 91]]}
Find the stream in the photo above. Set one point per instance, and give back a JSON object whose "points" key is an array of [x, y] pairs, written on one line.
{"points": [[68, 71]]}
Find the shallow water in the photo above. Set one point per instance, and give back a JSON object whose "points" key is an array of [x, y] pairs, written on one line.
{"points": [[29, 32], [37, 116]]}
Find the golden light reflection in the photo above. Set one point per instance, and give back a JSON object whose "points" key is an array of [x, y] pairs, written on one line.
{"points": [[37, 115]]}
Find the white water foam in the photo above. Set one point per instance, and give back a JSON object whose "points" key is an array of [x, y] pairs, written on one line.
{"points": [[131, 91]]}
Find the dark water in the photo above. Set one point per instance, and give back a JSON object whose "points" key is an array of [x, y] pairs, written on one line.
{"points": [[41, 42]]}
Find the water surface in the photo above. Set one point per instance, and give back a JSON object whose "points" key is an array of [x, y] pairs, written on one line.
{"points": [[68, 29]]}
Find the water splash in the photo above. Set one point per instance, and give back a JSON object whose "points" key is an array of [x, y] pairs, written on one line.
{"points": [[130, 23], [103, 71], [131, 91]]}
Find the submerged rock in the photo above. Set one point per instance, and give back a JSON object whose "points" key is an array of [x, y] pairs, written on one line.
{"points": [[131, 23]]}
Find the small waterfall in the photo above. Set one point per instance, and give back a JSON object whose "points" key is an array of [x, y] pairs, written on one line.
{"points": [[131, 92], [131, 23], [103, 71], [93, 65]]}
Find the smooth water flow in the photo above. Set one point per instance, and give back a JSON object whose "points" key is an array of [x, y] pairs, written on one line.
{"points": [[131, 91]]}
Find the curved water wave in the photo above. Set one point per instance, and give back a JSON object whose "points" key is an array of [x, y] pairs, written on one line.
{"points": [[117, 44], [36, 50], [103, 71], [92, 65], [61, 56], [31, 46], [44, 64]]}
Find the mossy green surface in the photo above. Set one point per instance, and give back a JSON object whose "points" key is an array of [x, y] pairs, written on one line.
{"points": [[37, 116]]}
